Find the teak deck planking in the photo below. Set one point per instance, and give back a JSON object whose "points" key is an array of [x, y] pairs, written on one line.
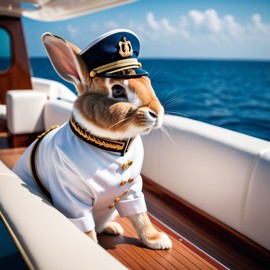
{"points": [[129, 250]]}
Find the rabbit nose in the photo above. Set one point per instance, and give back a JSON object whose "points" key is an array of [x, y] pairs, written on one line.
{"points": [[152, 114]]}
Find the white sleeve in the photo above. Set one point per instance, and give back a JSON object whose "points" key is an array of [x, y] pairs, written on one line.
{"points": [[85, 223], [134, 202]]}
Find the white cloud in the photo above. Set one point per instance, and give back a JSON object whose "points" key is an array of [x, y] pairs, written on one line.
{"points": [[257, 22], [207, 20], [111, 25], [73, 31], [196, 29], [152, 22], [212, 21], [167, 27], [159, 28], [209, 25], [183, 27], [197, 17], [232, 27], [258, 28]]}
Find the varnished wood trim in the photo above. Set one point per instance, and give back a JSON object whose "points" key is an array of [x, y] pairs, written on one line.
{"points": [[18, 75], [3, 126], [23, 140]]}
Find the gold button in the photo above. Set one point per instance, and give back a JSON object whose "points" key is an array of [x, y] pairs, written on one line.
{"points": [[111, 205], [126, 165], [131, 179], [125, 193], [117, 200], [93, 73], [123, 182]]}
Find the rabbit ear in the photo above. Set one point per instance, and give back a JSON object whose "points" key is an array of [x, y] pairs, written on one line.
{"points": [[66, 61]]}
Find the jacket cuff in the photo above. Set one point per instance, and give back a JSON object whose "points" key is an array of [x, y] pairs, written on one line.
{"points": [[131, 207], [85, 223]]}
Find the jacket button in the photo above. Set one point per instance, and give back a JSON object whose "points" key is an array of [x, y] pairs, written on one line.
{"points": [[125, 193], [123, 182], [126, 165], [117, 199], [111, 205], [131, 179]]}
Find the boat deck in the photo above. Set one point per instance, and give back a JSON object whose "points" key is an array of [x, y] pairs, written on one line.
{"points": [[134, 255]]}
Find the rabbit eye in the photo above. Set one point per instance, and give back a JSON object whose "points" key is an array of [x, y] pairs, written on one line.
{"points": [[118, 91]]}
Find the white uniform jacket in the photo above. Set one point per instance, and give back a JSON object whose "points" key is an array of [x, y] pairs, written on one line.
{"points": [[86, 183]]}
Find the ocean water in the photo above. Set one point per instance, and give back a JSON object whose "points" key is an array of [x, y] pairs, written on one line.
{"points": [[230, 94]]}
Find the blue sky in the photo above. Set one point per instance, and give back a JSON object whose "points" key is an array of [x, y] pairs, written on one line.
{"points": [[172, 29]]}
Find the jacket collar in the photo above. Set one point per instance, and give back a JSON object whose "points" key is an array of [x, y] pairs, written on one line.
{"points": [[118, 147]]}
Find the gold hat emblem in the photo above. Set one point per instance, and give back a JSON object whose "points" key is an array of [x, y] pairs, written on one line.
{"points": [[125, 48]]}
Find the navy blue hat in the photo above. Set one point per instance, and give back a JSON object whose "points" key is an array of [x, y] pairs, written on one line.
{"points": [[112, 53]]}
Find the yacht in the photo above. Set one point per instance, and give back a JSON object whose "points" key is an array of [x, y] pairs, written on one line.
{"points": [[206, 187]]}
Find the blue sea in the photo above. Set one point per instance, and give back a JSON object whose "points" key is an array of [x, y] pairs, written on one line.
{"points": [[230, 94]]}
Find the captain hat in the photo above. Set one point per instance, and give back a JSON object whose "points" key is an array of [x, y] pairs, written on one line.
{"points": [[112, 53]]}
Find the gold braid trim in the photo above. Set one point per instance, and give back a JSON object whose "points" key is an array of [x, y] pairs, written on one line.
{"points": [[110, 144], [119, 65]]}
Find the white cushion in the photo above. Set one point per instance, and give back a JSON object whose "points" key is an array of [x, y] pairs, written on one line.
{"points": [[25, 111], [56, 112], [213, 169], [53, 89], [256, 223]]}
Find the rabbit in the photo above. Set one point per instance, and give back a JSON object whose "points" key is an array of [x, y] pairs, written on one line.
{"points": [[82, 176]]}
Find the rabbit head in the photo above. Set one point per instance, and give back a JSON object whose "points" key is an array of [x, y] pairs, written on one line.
{"points": [[113, 108]]}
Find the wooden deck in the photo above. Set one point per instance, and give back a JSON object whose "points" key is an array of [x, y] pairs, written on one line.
{"points": [[134, 255], [129, 250]]}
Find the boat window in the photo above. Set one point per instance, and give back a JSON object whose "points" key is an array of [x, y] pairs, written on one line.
{"points": [[5, 50]]}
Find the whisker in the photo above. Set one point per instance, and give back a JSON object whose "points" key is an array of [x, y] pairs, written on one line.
{"points": [[153, 66], [175, 113], [154, 75], [175, 99], [127, 124], [169, 129], [119, 122], [164, 131]]}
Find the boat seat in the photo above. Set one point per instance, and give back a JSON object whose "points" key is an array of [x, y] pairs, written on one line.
{"points": [[223, 173], [37, 224], [30, 111]]}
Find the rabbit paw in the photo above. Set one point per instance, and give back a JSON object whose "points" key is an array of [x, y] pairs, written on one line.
{"points": [[113, 228], [157, 240], [92, 234]]}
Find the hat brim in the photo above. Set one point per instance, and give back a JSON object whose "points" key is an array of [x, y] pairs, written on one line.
{"points": [[138, 72]]}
